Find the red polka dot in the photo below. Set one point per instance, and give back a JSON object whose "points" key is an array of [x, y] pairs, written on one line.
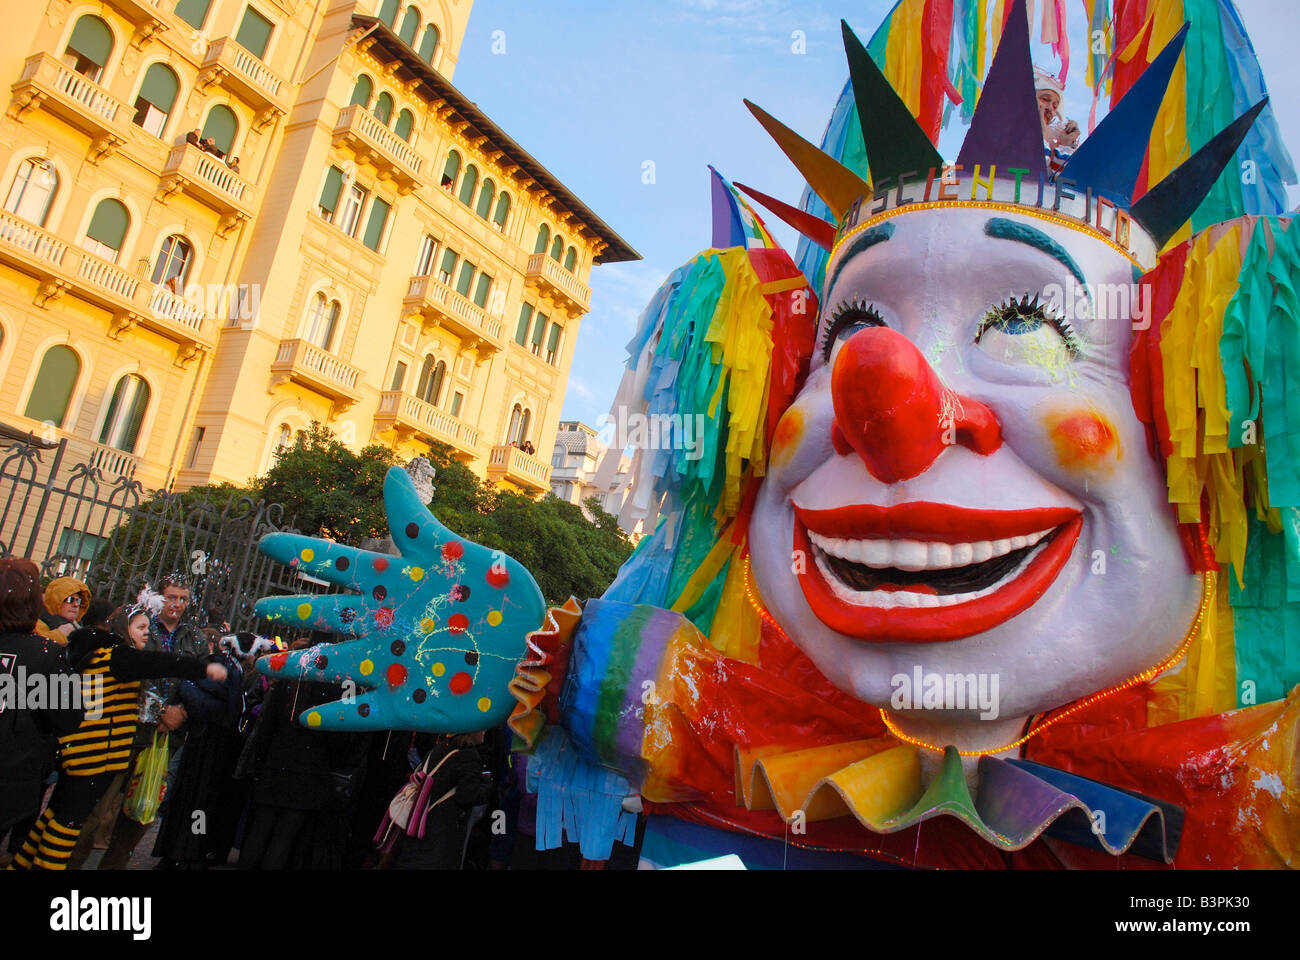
{"points": [[384, 617], [497, 577], [452, 551], [461, 684], [278, 661], [396, 675], [380, 564], [458, 623]]}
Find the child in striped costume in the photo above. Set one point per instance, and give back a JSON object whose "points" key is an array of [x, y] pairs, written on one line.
{"points": [[111, 665]]}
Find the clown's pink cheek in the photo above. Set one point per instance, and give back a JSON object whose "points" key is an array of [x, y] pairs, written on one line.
{"points": [[788, 436], [1085, 441]]}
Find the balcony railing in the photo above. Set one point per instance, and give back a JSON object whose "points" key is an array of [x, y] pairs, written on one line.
{"points": [[511, 463], [438, 303], [374, 143], [548, 276], [53, 86], [308, 364], [410, 414], [234, 68], [209, 180], [111, 462], [131, 299]]}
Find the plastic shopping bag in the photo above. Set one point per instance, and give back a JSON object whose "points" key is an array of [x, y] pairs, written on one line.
{"points": [[144, 792]]}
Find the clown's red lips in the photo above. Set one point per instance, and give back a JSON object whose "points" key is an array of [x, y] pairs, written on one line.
{"points": [[928, 572]]}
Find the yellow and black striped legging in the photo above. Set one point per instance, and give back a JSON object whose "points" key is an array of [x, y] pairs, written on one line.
{"points": [[50, 843]]}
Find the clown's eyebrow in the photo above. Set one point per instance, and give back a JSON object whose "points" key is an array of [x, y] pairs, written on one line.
{"points": [[1002, 229], [863, 241]]}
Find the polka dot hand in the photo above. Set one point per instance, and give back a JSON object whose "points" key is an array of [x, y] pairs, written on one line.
{"points": [[431, 638]]}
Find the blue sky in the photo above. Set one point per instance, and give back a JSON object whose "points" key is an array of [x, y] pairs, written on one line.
{"points": [[595, 90]]}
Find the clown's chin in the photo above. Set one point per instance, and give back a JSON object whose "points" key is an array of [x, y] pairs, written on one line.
{"points": [[933, 590]]}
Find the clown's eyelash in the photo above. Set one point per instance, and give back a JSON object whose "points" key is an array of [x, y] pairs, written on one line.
{"points": [[847, 312], [1017, 310]]}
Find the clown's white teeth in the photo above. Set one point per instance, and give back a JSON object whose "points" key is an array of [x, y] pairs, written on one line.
{"points": [[912, 599], [916, 555]]}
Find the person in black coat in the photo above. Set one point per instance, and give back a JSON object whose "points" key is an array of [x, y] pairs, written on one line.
{"points": [[461, 775], [26, 735]]}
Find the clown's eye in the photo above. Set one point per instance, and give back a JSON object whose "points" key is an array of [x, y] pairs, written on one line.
{"points": [[845, 320], [1027, 331]]}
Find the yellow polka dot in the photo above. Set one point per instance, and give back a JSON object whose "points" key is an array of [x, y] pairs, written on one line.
{"points": [[367, 667], [313, 719], [485, 705], [417, 574], [439, 669], [427, 625], [308, 556], [304, 611], [494, 618]]}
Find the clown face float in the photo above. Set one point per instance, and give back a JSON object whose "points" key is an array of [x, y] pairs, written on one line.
{"points": [[962, 558]]}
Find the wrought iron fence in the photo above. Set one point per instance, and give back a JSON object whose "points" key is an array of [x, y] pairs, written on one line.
{"points": [[116, 537]]}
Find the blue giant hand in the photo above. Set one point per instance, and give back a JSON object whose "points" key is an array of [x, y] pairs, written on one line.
{"points": [[435, 633]]}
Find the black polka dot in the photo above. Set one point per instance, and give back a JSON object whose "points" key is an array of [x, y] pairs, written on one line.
{"points": [[398, 648], [413, 530], [347, 614], [322, 662], [380, 593], [460, 593], [342, 563], [471, 658], [419, 696], [364, 709]]}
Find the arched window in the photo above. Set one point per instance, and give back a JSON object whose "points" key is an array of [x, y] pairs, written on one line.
{"points": [[172, 268], [157, 97], [221, 127], [322, 322], [193, 12], [485, 198], [451, 171], [33, 190], [388, 12], [125, 413], [543, 239], [469, 185], [107, 230], [405, 123], [571, 259], [557, 248], [429, 43], [55, 381], [524, 425], [89, 47], [503, 211], [410, 26], [362, 91], [516, 415], [283, 441], [432, 376], [384, 108]]}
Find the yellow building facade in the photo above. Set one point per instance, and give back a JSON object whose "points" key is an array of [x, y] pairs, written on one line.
{"points": [[225, 220]]}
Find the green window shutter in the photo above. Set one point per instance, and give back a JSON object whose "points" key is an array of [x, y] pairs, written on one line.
{"points": [[449, 258], [329, 195], [384, 108], [159, 87], [410, 25], [571, 259], [54, 385], [405, 121], [557, 249], [467, 271], [92, 39], [554, 342], [485, 198], [540, 329], [456, 401], [452, 170], [109, 224], [469, 185], [543, 239], [379, 211], [254, 33], [361, 92], [503, 209], [525, 319], [388, 12], [481, 291], [193, 12], [130, 433], [429, 43], [221, 126]]}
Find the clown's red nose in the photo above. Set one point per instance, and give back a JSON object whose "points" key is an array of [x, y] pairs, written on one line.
{"points": [[889, 408]]}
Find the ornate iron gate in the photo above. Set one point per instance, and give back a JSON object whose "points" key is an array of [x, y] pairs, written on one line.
{"points": [[115, 536]]}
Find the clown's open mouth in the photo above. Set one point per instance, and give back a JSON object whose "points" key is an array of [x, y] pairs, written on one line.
{"points": [[925, 572]]}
